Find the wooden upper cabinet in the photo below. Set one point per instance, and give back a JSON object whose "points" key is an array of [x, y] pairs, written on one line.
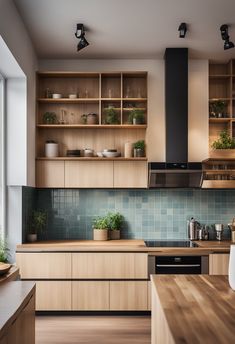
{"points": [[90, 174], [218, 264], [109, 265], [44, 265], [50, 174], [128, 174]]}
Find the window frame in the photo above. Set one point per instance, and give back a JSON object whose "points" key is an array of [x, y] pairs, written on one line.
{"points": [[3, 153]]}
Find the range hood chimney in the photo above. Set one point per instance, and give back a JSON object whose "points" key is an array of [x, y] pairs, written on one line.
{"points": [[176, 104], [176, 171]]}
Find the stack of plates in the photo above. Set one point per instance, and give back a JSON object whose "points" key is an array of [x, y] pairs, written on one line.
{"points": [[111, 153]]}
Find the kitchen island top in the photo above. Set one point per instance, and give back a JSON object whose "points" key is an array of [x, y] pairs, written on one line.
{"points": [[124, 245], [192, 309]]}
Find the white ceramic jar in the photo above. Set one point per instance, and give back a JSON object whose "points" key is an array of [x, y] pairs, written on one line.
{"points": [[51, 149], [231, 269]]}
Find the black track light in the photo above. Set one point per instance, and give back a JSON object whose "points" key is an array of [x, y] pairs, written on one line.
{"points": [[182, 30], [225, 37], [80, 34]]}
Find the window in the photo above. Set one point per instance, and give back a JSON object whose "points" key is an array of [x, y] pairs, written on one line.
{"points": [[2, 156]]}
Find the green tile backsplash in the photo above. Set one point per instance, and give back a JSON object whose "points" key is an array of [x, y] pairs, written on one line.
{"points": [[149, 214]]}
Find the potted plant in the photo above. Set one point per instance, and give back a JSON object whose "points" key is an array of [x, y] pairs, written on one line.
{"points": [[100, 228], [111, 116], [115, 225], [49, 118], [3, 251], [139, 149], [136, 117], [84, 118], [224, 147], [38, 224], [91, 118], [217, 108]]}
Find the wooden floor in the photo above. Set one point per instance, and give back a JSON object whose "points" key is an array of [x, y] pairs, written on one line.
{"points": [[93, 329]]}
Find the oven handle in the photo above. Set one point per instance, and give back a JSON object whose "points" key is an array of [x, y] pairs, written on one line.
{"points": [[177, 265]]}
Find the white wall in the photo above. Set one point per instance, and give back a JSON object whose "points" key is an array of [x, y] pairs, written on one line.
{"points": [[198, 99], [18, 41]]}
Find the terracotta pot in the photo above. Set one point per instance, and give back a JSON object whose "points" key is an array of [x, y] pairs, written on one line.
{"points": [[91, 118], [32, 237], [222, 153], [114, 235], [100, 234]]}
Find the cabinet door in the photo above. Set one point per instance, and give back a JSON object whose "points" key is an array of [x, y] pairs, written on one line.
{"points": [[44, 265], [218, 264], [130, 174], [109, 265], [89, 174], [53, 296], [128, 295], [50, 174], [90, 295]]}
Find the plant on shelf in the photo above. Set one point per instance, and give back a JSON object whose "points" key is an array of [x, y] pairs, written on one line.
{"points": [[111, 116], [100, 228], [38, 224], [217, 108], [139, 149], [115, 224], [50, 118], [136, 117], [225, 141], [84, 118]]}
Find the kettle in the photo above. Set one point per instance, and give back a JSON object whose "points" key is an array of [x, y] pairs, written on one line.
{"points": [[193, 229]]}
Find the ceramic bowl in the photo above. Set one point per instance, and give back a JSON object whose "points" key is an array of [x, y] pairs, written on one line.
{"points": [[56, 96], [111, 154], [4, 268], [72, 96], [100, 154]]}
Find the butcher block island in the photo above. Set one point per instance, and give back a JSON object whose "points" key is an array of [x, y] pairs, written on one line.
{"points": [[192, 309]]}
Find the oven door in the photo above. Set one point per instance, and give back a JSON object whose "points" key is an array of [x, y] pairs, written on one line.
{"points": [[178, 265]]}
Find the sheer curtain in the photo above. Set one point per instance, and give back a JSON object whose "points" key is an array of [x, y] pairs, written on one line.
{"points": [[2, 157]]}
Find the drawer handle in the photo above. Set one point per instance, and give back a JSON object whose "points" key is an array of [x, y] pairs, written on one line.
{"points": [[178, 265]]}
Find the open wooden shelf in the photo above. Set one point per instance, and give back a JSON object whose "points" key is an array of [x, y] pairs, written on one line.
{"points": [[220, 120], [92, 126], [92, 158], [68, 100]]}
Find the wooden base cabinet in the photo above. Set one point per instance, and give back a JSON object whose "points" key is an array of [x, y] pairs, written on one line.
{"points": [[218, 264], [53, 295], [90, 296], [128, 295]]}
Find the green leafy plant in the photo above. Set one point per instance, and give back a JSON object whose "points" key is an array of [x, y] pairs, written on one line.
{"points": [[49, 118], [111, 116], [101, 223], [225, 141], [136, 114], [217, 107], [84, 118], [139, 145], [38, 221], [115, 221], [3, 251]]}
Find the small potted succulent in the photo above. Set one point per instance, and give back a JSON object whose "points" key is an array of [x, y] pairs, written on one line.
{"points": [[111, 116], [139, 149], [136, 117], [49, 118], [224, 147], [115, 225], [38, 224], [100, 228], [217, 109]]}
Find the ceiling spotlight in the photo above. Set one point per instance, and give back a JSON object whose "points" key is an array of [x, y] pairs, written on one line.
{"points": [[225, 37], [80, 34], [182, 30]]}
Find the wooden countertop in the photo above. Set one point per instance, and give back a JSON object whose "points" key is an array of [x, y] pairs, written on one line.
{"points": [[13, 298], [131, 245], [12, 275], [197, 308]]}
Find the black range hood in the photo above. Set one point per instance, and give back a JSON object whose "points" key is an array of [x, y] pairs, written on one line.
{"points": [[176, 171]]}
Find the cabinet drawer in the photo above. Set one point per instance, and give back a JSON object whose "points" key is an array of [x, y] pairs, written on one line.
{"points": [[90, 295], [128, 295], [53, 295], [89, 174], [44, 265], [129, 174], [218, 264], [50, 174], [109, 265]]}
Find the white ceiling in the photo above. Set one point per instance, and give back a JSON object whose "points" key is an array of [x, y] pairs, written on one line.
{"points": [[128, 28]]}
